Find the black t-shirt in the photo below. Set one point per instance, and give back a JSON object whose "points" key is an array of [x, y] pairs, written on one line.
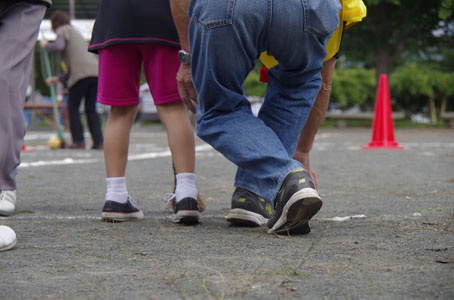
{"points": [[133, 21]]}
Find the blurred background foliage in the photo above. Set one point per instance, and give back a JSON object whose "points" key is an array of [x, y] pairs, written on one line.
{"points": [[410, 40]]}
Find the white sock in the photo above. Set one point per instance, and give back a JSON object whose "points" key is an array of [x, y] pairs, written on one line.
{"points": [[185, 186], [116, 189]]}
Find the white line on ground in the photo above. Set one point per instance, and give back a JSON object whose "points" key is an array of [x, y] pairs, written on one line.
{"points": [[168, 214], [164, 215], [71, 161], [38, 136], [65, 161], [342, 219]]}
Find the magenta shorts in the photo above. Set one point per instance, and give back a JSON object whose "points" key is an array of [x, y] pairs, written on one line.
{"points": [[120, 68]]}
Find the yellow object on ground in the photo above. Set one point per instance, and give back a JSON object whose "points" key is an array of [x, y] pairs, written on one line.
{"points": [[55, 142]]}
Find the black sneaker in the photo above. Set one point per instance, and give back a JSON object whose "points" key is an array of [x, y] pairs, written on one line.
{"points": [[119, 212], [296, 203], [248, 209], [187, 212]]}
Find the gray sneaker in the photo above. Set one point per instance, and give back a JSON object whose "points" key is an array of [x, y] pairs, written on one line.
{"points": [[248, 209]]}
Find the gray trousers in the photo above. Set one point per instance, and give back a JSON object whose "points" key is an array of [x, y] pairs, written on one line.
{"points": [[19, 27]]}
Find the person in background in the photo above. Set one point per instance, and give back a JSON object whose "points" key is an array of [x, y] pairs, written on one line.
{"points": [[19, 25], [82, 78]]}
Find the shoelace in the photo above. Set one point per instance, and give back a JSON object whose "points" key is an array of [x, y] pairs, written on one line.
{"points": [[168, 197], [132, 202], [3, 195]]}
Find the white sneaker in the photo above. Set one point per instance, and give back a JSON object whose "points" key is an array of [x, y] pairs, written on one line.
{"points": [[7, 238], [7, 203]]}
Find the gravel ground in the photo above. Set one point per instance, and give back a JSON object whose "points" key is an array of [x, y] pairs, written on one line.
{"points": [[385, 230]]}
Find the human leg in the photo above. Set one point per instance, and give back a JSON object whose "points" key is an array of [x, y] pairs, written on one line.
{"points": [[297, 79], [119, 205], [307, 135], [160, 66], [118, 87], [294, 83], [119, 76], [18, 33], [248, 211], [224, 50], [181, 143], [180, 135], [93, 120], [253, 215], [116, 139], [76, 93], [290, 94]]}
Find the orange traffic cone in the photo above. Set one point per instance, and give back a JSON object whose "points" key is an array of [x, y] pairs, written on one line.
{"points": [[383, 127]]}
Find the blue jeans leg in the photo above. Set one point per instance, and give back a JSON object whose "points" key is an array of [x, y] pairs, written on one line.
{"points": [[226, 38]]}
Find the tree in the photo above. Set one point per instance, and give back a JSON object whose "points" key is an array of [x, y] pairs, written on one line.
{"points": [[416, 87], [396, 27], [353, 86], [443, 85]]}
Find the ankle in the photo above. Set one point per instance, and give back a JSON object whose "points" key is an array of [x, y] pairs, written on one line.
{"points": [[186, 186], [116, 189]]}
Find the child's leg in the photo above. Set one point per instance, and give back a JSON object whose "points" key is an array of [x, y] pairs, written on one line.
{"points": [[180, 137], [116, 144], [160, 66], [116, 139], [119, 79], [119, 206]]}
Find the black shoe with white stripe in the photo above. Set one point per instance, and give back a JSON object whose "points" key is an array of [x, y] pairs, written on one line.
{"points": [[248, 209], [296, 203], [120, 212], [187, 212]]}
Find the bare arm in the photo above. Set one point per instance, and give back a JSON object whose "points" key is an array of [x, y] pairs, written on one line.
{"points": [[315, 119], [184, 75], [58, 45], [181, 19]]}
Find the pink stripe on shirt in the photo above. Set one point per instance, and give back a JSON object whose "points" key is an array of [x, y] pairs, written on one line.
{"points": [[133, 39]]}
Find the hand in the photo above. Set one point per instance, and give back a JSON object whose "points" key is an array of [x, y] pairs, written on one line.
{"points": [[51, 80], [186, 87], [43, 43], [303, 157]]}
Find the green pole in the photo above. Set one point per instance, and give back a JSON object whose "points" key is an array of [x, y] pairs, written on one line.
{"points": [[54, 97]]}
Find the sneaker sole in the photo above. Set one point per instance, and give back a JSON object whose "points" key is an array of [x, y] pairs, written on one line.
{"points": [[239, 216], [10, 246], [302, 206], [121, 217], [6, 213], [301, 228], [187, 217]]}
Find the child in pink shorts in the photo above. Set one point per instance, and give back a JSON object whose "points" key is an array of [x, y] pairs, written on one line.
{"points": [[127, 35]]}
